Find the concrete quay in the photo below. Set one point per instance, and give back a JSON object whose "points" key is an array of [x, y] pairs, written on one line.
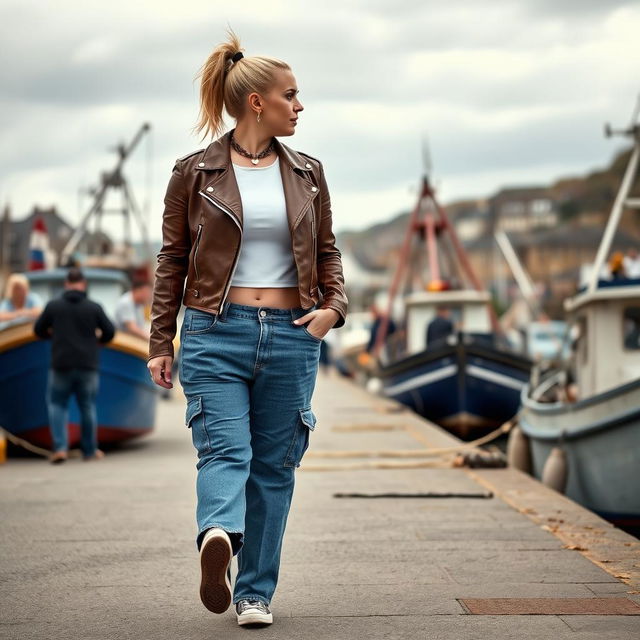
{"points": [[105, 550]]}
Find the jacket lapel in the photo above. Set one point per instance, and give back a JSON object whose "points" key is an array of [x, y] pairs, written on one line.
{"points": [[221, 188]]}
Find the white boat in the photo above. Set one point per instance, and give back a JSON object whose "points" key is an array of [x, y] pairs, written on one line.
{"points": [[592, 423]]}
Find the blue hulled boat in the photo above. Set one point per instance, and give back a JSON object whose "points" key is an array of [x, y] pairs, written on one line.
{"points": [[469, 382], [126, 403]]}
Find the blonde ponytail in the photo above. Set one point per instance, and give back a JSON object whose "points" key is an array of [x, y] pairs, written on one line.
{"points": [[226, 84]]}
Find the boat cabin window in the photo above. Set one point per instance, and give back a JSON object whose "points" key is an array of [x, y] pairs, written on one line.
{"points": [[631, 328]]}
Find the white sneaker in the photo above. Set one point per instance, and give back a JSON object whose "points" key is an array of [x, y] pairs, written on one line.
{"points": [[215, 559], [253, 611]]}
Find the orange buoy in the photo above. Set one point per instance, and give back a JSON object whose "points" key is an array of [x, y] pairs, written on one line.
{"points": [[3, 447]]}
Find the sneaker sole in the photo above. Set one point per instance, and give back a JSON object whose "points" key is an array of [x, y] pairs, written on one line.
{"points": [[215, 588], [253, 618]]}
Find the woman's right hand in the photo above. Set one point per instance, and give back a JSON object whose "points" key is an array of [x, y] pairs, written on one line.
{"points": [[160, 369]]}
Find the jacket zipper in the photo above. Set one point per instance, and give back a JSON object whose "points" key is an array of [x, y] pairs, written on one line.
{"points": [[313, 249], [233, 270], [313, 234], [195, 254], [235, 259]]}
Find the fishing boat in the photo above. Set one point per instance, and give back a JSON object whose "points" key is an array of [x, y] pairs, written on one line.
{"points": [[127, 398], [126, 401], [470, 380], [579, 427]]}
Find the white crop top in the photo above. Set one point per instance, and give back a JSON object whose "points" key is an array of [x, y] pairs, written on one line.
{"points": [[266, 257]]}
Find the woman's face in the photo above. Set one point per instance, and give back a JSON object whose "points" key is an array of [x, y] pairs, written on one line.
{"points": [[18, 295], [281, 105]]}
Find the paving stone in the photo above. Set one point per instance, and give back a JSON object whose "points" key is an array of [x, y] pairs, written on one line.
{"points": [[551, 606]]}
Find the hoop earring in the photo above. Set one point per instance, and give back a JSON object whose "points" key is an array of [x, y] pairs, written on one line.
{"points": [[258, 118]]}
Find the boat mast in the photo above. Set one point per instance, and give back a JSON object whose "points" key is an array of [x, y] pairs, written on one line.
{"points": [[404, 255], [522, 277], [622, 198]]}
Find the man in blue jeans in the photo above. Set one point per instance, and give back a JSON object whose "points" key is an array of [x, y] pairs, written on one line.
{"points": [[71, 321]]}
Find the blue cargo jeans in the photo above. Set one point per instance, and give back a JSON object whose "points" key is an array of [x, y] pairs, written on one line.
{"points": [[248, 374]]}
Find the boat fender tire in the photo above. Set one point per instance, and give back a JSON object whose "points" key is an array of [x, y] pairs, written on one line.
{"points": [[519, 450], [554, 472]]}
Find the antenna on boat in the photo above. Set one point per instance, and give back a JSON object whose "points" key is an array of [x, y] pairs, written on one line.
{"points": [[622, 198], [114, 179], [427, 164]]}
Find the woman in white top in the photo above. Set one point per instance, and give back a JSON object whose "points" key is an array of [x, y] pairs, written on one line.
{"points": [[248, 371]]}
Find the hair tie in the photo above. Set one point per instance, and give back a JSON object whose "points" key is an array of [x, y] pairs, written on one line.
{"points": [[237, 56]]}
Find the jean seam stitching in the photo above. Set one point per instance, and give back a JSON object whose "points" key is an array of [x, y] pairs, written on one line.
{"points": [[293, 442], [301, 429], [204, 424], [195, 332], [304, 328]]}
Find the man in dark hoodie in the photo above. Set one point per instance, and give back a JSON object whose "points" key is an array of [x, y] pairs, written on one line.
{"points": [[71, 321]]}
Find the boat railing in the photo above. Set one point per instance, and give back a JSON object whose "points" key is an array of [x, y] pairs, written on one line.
{"points": [[539, 391], [617, 282]]}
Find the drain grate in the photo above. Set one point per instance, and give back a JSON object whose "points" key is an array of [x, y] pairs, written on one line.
{"points": [[550, 606]]}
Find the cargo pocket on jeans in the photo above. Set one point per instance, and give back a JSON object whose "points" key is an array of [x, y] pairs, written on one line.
{"points": [[194, 420], [305, 422]]}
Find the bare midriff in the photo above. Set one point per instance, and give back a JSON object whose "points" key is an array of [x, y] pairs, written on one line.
{"points": [[275, 297]]}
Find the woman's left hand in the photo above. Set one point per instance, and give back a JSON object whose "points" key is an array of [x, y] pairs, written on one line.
{"points": [[319, 319]]}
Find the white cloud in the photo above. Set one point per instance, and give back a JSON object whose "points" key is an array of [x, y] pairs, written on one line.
{"points": [[95, 50]]}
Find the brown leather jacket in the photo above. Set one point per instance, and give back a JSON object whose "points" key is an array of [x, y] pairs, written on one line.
{"points": [[202, 231]]}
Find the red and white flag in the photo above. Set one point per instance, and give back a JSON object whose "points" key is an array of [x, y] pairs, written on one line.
{"points": [[38, 246]]}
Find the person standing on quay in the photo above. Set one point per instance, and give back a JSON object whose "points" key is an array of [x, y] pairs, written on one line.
{"points": [[247, 247], [71, 321]]}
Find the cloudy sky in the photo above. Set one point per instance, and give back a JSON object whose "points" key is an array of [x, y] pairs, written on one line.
{"points": [[505, 92]]}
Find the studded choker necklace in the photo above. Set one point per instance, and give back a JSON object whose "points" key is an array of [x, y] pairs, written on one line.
{"points": [[254, 158]]}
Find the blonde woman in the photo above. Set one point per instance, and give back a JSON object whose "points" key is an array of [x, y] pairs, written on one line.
{"points": [[248, 248], [19, 303]]}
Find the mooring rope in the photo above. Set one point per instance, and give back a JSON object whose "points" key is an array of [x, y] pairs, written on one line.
{"points": [[415, 453], [21, 442]]}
